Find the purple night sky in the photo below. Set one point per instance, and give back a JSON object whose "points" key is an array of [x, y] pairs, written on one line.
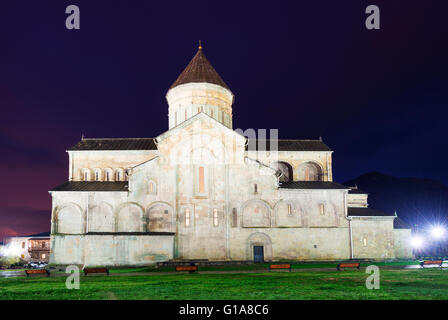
{"points": [[309, 68]]}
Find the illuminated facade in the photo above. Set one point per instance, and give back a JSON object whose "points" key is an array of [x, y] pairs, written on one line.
{"points": [[203, 191]]}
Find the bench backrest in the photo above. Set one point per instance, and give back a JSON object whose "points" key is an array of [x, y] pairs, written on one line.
{"points": [[186, 268], [96, 270], [427, 262], [280, 266], [349, 265], [37, 271]]}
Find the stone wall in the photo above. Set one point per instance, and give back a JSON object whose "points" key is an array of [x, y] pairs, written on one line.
{"points": [[111, 250], [402, 242], [373, 238]]}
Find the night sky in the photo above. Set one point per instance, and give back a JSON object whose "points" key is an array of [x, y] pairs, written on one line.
{"points": [[309, 68]]}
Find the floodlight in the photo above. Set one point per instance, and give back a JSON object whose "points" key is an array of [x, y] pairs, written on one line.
{"points": [[437, 232]]}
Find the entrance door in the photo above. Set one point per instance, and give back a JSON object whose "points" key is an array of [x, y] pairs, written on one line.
{"points": [[258, 254]]}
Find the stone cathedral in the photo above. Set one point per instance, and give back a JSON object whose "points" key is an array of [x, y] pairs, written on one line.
{"points": [[202, 191]]}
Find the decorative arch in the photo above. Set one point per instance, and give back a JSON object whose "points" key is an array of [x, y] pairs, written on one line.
{"points": [[310, 171], [160, 217], [97, 174], [108, 174], [101, 218], [129, 217], [286, 170], [259, 239], [288, 214], [70, 219], [119, 174], [85, 174], [256, 213]]}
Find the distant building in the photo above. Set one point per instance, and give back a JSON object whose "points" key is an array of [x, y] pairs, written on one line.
{"points": [[30, 248]]}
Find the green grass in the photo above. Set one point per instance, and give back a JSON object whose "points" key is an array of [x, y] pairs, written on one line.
{"points": [[395, 284]]}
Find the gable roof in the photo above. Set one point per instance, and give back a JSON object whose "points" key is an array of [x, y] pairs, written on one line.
{"points": [[104, 144], [196, 117], [311, 185], [199, 70], [291, 145], [367, 212], [92, 186]]}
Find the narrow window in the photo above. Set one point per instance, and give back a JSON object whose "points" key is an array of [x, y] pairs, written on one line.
{"points": [[364, 242], [212, 114], [43, 245], [289, 210], [187, 217], [322, 209], [118, 175], [215, 217], [107, 176], [201, 180], [85, 176], [96, 175], [23, 245], [234, 218], [255, 188]]}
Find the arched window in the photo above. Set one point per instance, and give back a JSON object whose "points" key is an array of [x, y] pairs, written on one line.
{"points": [[97, 175], [215, 217], [152, 187], [119, 174], [309, 171], [201, 180], [108, 175], [85, 174], [286, 171], [187, 217]]}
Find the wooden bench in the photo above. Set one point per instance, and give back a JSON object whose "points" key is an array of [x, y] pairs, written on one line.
{"points": [[280, 266], [95, 270], [431, 262], [37, 272], [356, 265], [190, 269]]}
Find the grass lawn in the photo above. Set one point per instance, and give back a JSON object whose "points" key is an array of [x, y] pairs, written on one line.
{"points": [[395, 284]]}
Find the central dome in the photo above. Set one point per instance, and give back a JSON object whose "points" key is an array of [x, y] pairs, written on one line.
{"points": [[199, 70]]}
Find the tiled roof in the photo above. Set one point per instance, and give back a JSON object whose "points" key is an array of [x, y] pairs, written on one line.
{"points": [[400, 224], [292, 145], [367, 212], [115, 144], [199, 70], [357, 191], [311, 185], [92, 186]]}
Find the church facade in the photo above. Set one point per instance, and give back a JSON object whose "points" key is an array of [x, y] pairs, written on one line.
{"points": [[204, 191]]}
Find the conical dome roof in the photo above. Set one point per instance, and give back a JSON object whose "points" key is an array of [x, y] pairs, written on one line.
{"points": [[199, 70]]}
